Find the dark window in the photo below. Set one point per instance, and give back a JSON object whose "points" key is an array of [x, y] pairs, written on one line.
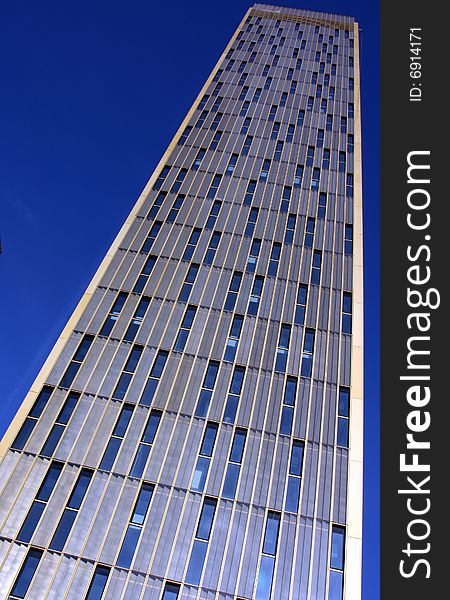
{"points": [[26, 573], [153, 380], [98, 583]]}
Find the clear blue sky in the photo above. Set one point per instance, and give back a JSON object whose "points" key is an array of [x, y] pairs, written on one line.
{"points": [[92, 93]]}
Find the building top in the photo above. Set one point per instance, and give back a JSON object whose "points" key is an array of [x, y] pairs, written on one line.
{"points": [[303, 15]]}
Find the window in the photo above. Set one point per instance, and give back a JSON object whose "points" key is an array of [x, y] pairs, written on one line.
{"points": [[178, 181], [233, 291], [26, 573], [148, 243], [350, 110], [145, 445], [295, 53], [247, 143], [214, 187], [351, 84], [201, 118], [198, 159], [200, 546], [315, 179], [255, 296], [76, 361], [298, 177], [185, 328], [40, 502], [252, 57], [316, 267], [283, 348], [173, 214], [213, 214], [242, 79], [350, 143], [346, 312], [267, 83], [154, 378], [257, 95], [242, 66], [331, 93], [294, 477], [204, 458], [320, 135], [283, 99], [212, 248], [274, 259], [300, 307], [290, 229], [276, 58], [232, 164], [185, 135], [308, 353], [323, 106], [333, 69], [336, 584], [127, 373], [253, 257], [265, 70], [290, 133], [264, 170], [309, 232], [203, 102], [285, 199], [156, 205], [217, 75], [115, 441], [290, 74], [233, 338], [310, 104], [298, 64], [342, 162], [216, 121], [234, 464], [244, 108], [343, 125], [326, 159], [275, 130], [248, 198], [349, 185], [251, 222], [234, 393], [322, 67], [310, 156], [28, 425], [161, 178], [229, 65], [145, 274], [301, 117], [287, 410], [269, 549], [192, 243], [326, 80], [171, 591], [314, 78], [206, 392], [60, 424], [217, 89], [215, 140], [71, 511], [322, 206], [278, 150], [98, 583], [245, 125], [319, 91], [134, 528], [343, 417], [348, 239]]}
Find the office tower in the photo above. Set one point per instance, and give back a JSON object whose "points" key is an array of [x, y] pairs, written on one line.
{"points": [[196, 432]]}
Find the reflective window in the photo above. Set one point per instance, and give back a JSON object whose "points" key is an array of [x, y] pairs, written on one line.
{"points": [[98, 583]]}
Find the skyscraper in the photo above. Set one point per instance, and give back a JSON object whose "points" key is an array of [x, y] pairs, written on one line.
{"points": [[196, 432]]}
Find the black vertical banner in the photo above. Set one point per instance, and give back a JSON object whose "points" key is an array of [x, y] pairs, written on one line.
{"points": [[415, 421]]}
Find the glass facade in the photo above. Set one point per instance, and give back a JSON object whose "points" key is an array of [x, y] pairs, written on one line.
{"points": [[193, 434]]}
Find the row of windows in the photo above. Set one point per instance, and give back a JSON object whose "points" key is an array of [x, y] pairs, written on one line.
{"points": [[198, 552]]}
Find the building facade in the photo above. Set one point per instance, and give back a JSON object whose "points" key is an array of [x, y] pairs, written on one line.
{"points": [[196, 432]]}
